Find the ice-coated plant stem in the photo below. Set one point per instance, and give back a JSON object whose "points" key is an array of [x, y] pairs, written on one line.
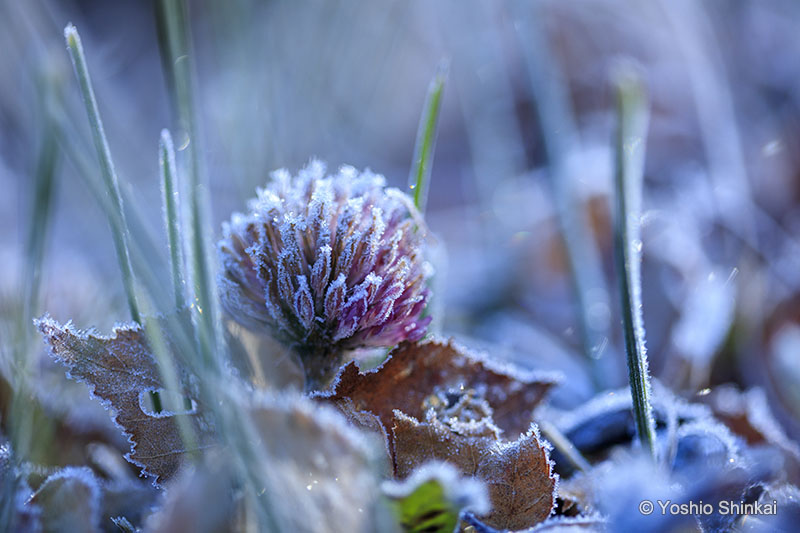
{"points": [[22, 426], [419, 179], [629, 151], [119, 229], [175, 43], [169, 175], [559, 138], [40, 222], [561, 443], [119, 226]]}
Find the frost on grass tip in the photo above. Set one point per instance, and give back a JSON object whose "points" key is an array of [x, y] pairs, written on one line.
{"points": [[325, 264]]}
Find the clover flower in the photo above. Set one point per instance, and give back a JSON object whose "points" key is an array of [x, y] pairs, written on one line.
{"points": [[326, 264]]}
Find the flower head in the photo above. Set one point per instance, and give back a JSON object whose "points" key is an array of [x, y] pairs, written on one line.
{"points": [[326, 264]]}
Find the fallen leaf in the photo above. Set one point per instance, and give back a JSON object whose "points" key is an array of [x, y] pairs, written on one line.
{"points": [[518, 474], [120, 370], [748, 415], [606, 421], [197, 500], [311, 471], [17, 512], [70, 501], [317, 469], [433, 497], [415, 371]]}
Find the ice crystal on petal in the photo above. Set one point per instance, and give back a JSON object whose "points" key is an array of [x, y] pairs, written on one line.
{"points": [[325, 264]]}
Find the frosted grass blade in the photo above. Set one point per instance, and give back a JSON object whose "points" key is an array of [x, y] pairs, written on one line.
{"points": [[119, 229], [559, 138], [629, 151], [169, 175], [419, 179], [175, 44]]}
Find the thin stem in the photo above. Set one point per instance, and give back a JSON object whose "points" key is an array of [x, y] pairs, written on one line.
{"points": [[561, 443], [630, 143], [40, 222], [419, 178], [142, 249], [156, 331], [119, 228], [169, 175], [560, 137], [23, 426], [175, 44]]}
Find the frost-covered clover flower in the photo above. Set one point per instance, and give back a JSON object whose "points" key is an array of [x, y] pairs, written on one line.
{"points": [[326, 264]]}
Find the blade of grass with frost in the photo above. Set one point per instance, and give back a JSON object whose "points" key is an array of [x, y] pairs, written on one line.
{"points": [[559, 135], [166, 368], [62, 116], [630, 142], [166, 153], [42, 210], [21, 426], [714, 104], [142, 249], [561, 443], [419, 179], [182, 336], [174, 41], [119, 230], [119, 227]]}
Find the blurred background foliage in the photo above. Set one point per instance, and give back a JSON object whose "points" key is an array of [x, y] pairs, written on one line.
{"points": [[527, 115]]}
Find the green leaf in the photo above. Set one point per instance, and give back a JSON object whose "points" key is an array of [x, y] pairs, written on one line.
{"points": [[119, 227], [631, 132], [426, 140], [432, 499]]}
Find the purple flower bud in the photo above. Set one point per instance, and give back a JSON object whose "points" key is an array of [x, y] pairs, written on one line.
{"points": [[326, 264]]}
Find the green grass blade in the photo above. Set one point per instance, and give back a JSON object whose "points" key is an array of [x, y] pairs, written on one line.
{"points": [[561, 443], [119, 228], [169, 175], [629, 149], [419, 178], [142, 249], [26, 430], [560, 137], [40, 222], [175, 44]]}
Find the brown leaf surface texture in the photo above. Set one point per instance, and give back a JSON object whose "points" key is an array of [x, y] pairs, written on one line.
{"points": [[69, 501], [436, 401], [518, 474], [119, 369], [316, 465], [415, 371]]}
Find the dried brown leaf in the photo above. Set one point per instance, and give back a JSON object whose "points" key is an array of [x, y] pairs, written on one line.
{"points": [[70, 501], [197, 500], [415, 371], [748, 414], [17, 512], [518, 474], [119, 370], [317, 468], [312, 472]]}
